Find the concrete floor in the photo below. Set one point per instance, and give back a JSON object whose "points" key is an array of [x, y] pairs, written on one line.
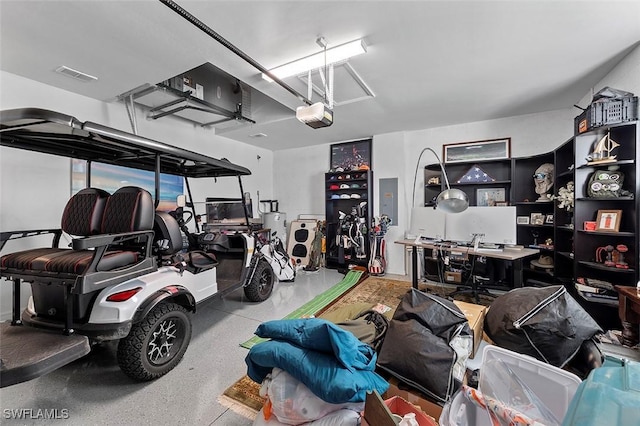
{"points": [[94, 391]]}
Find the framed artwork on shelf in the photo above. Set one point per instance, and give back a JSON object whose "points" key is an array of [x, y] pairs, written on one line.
{"points": [[354, 155], [608, 220], [537, 218], [489, 196], [549, 219], [589, 225], [502, 204], [492, 149], [522, 220]]}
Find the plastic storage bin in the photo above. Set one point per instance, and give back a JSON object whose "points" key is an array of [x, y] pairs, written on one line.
{"points": [[553, 386], [515, 379], [609, 396]]}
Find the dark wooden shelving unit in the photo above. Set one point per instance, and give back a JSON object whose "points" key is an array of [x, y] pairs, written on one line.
{"points": [[334, 206], [500, 170], [585, 264]]}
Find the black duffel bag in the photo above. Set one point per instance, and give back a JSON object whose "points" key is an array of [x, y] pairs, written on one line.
{"points": [[545, 323], [418, 348]]}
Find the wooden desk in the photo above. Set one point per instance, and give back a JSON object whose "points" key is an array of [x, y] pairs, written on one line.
{"points": [[515, 256], [629, 313]]}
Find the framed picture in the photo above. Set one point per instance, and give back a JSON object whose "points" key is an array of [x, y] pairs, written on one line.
{"points": [[589, 225], [608, 220], [549, 219], [489, 196], [537, 218], [492, 149], [522, 220], [351, 155]]}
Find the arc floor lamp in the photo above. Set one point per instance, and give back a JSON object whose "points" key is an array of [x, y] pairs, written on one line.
{"points": [[451, 200]]}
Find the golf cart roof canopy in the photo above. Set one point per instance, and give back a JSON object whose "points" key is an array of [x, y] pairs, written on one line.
{"points": [[54, 133]]}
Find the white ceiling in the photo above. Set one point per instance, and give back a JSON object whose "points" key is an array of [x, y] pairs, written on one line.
{"points": [[429, 63]]}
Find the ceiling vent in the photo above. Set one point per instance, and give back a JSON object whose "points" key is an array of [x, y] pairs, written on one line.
{"points": [[70, 72]]}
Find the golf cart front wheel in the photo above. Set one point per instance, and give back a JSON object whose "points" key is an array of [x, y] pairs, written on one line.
{"points": [[156, 344], [261, 285]]}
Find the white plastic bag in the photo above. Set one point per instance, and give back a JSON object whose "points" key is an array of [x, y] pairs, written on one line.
{"points": [[343, 417], [293, 403]]}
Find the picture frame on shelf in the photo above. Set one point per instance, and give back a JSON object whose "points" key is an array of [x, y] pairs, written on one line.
{"points": [[488, 197], [491, 149], [502, 203], [537, 219], [522, 220], [608, 220], [549, 219], [590, 225]]}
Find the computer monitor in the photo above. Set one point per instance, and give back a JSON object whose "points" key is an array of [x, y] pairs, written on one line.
{"points": [[498, 224], [227, 211], [428, 222]]}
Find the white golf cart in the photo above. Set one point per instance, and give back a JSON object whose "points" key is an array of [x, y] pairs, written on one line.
{"points": [[132, 273]]}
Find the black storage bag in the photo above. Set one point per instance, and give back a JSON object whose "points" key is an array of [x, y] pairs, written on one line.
{"points": [[369, 327], [416, 348], [545, 323]]}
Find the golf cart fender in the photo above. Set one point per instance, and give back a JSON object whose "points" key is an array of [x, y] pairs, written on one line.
{"points": [[175, 293], [198, 287]]}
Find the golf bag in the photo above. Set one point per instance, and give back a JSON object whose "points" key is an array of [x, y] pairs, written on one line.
{"points": [[279, 260], [358, 230], [377, 261]]}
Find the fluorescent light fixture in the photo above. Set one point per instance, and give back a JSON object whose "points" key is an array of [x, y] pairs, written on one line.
{"points": [[317, 60]]}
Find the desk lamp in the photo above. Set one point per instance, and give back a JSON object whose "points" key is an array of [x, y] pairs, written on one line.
{"points": [[450, 200]]}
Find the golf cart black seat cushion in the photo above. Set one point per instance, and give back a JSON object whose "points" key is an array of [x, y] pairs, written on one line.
{"points": [[82, 216], [77, 261], [83, 213], [129, 209], [168, 239]]}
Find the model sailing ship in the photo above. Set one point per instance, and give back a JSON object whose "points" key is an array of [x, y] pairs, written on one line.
{"points": [[602, 151]]}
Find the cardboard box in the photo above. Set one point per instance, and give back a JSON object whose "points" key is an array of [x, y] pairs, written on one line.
{"points": [[475, 315], [381, 413], [413, 396], [453, 277]]}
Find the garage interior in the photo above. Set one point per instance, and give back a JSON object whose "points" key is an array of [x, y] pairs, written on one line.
{"points": [[433, 74]]}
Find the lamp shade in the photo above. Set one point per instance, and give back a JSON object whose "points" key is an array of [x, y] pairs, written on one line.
{"points": [[452, 200]]}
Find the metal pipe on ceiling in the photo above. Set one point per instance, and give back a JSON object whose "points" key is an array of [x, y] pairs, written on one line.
{"points": [[211, 33]]}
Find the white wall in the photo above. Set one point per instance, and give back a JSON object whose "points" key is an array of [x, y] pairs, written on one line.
{"points": [[34, 188]]}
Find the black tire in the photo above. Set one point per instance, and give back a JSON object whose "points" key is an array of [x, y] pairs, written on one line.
{"points": [[261, 285], [156, 344]]}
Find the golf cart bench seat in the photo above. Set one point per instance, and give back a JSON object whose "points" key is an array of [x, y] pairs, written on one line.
{"points": [[105, 228], [169, 245]]}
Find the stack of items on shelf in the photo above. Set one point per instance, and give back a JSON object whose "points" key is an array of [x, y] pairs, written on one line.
{"points": [[609, 106]]}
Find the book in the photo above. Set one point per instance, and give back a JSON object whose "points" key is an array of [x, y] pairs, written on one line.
{"points": [[588, 288]]}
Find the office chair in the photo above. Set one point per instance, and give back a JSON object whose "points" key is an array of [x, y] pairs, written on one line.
{"points": [[476, 289]]}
